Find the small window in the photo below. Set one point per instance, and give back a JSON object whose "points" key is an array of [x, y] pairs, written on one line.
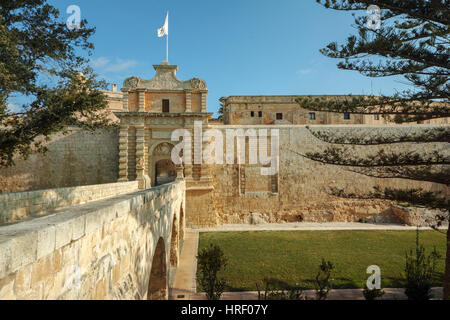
{"points": [[346, 116], [279, 116], [252, 114], [312, 116], [260, 114], [165, 106], [376, 116]]}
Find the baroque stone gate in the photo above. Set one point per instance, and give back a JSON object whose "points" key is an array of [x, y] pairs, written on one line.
{"points": [[152, 110]]}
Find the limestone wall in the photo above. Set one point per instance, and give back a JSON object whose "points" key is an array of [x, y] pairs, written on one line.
{"points": [[300, 191], [78, 158], [100, 250], [22, 205]]}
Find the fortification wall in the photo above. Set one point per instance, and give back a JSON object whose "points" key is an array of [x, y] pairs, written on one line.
{"points": [[78, 158], [300, 191], [23, 205], [101, 250]]}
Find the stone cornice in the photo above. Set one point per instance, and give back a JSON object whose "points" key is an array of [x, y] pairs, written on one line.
{"points": [[164, 115], [165, 79]]}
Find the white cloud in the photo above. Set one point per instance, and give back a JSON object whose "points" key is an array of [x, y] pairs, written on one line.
{"points": [[12, 107], [106, 65], [100, 62], [303, 72]]}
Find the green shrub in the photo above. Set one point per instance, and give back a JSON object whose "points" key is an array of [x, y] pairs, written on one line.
{"points": [[323, 282], [271, 293], [373, 294], [420, 270], [210, 261]]}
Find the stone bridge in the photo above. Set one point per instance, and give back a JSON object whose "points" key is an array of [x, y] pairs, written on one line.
{"points": [[95, 242]]}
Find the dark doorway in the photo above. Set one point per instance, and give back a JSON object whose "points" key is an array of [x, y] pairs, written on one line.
{"points": [[165, 172]]}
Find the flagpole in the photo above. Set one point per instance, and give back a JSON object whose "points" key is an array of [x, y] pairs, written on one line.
{"points": [[167, 40]]}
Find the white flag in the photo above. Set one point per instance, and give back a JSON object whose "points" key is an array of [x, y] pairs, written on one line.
{"points": [[164, 31]]}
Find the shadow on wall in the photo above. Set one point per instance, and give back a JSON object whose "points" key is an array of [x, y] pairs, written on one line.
{"points": [[76, 159]]}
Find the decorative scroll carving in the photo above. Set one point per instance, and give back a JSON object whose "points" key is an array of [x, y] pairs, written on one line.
{"points": [[131, 83], [164, 149], [165, 79], [197, 83]]}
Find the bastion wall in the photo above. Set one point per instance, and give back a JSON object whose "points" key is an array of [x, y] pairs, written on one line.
{"points": [[301, 190], [236, 193]]}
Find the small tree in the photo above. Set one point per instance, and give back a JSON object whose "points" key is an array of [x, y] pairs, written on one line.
{"points": [[373, 294], [221, 111], [210, 261], [47, 63], [420, 270], [323, 282]]}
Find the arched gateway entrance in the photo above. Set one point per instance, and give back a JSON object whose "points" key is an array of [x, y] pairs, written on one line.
{"points": [[165, 172], [164, 169]]}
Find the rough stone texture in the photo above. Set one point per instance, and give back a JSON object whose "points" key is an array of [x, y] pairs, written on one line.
{"points": [[76, 159], [420, 217], [100, 250], [302, 184], [257, 218], [228, 194], [22, 205]]}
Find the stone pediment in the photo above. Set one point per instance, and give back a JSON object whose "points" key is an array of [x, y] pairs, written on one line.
{"points": [[165, 79]]}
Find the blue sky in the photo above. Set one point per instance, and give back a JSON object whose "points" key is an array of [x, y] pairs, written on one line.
{"points": [[240, 47]]}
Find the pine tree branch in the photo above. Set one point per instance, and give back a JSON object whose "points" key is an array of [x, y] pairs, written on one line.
{"points": [[353, 137]]}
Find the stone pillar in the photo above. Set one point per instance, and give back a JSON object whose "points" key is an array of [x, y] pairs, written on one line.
{"points": [[204, 95], [180, 168], [140, 157], [123, 153], [205, 168], [141, 94], [147, 138], [188, 101], [125, 101], [188, 171]]}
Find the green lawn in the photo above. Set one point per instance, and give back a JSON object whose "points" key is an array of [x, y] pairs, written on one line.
{"points": [[293, 257]]}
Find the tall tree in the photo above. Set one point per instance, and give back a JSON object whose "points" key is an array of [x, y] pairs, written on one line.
{"points": [[409, 39], [44, 62], [221, 111]]}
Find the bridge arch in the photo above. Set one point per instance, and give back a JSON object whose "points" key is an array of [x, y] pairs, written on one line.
{"points": [[174, 243], [158, 284], [181, 222]]}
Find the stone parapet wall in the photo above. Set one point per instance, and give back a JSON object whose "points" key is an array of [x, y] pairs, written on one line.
{"points": [[100, 250], [23, 205]]}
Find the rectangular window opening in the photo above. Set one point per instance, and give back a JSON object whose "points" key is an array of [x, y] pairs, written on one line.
{"points": [[165, 106], [312, 116]]}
